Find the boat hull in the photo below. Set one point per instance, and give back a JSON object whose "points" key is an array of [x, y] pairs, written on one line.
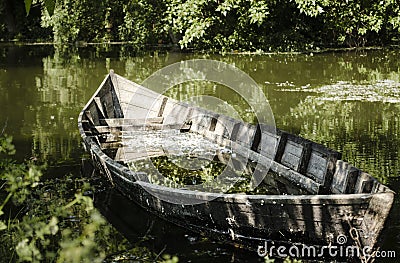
{"points": [[345, 200]]}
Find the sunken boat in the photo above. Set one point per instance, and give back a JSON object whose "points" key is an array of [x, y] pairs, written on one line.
{"points": [[307, 194]]}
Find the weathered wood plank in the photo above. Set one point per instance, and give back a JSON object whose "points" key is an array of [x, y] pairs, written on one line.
{"points": [[201, 120], [308, 158], [322, 165], [213, 123], [121, 83], [146, 102], [93, 114], [109, 100], [125, 129], [124, 121], [365, 183], [106, 129], [245, 134], [292, 155], [373, 221], [107, 103], [280, 211], [300, 180], [269, 145], [100, 107], [255, 146], [126, 155], [162, 107], [317, 166], [281, 146], [176, 113], [225, 126], [345, 178]]}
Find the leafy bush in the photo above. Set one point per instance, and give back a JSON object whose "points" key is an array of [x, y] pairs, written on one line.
{"points": [[285, 25], [143, 22], [52, 220], [355, 23], [242, 25], [34, 232], [74, 20]]}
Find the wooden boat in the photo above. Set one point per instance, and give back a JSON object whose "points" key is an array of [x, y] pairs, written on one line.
{"points": [[335, 200]]}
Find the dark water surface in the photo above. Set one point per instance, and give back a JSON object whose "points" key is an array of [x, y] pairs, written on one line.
{"points": [[349, 101]]}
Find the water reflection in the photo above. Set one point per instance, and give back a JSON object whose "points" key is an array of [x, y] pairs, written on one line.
{"points": [[367, 133], [43, 94]]}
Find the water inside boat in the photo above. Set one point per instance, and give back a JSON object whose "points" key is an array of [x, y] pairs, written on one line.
{"points": [[188, 160]]}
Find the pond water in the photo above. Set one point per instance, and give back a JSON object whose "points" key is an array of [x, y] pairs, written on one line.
{"points": [[348, 101]]}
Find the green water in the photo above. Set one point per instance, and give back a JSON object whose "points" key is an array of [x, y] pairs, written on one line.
{"points": [[349, 101]]}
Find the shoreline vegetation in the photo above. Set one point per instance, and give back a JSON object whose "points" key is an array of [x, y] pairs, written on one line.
{"points": [[55, 220], [216, 26]]}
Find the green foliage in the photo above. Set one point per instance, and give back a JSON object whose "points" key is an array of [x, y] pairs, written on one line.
{"points": [[238, 25], [170, 259], [54, 230], [28, 4], [289, 260], [16, 24], [6, 146], [35, 234], [19, 179], [355, 23], [50, 6], [54, 222], [142, 22], [286, 25], [75, 20]]}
